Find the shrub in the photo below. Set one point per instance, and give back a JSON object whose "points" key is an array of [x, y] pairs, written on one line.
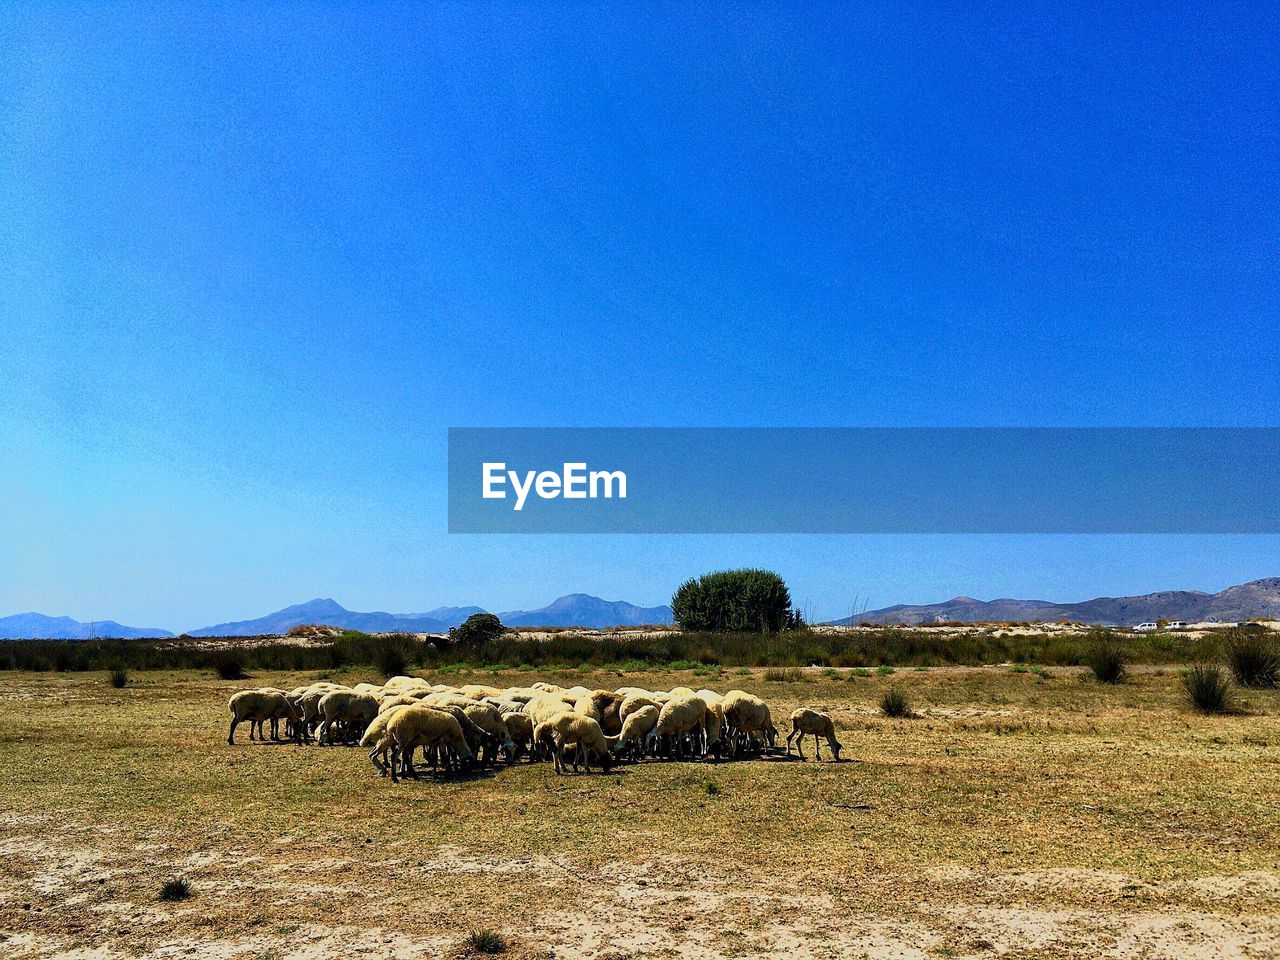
{"points": [[1208, 689], [784, 674], [477, 630], [895, 703], [1253, 657], [734, 600], [393, 653], [175, 889], [1106, 657], [485, 941], [118, 676], [884, 670], [229, 664]]}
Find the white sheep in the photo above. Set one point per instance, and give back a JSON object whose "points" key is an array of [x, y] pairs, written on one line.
{"points": [[259, 706], [354, 710], [748, 719], [636, 729], [683, 718], [429, 728], [570, 729], [806, 722]]}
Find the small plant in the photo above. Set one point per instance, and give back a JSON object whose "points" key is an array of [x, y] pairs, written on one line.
{"points": [[713, 788], [1019, 668], [1254, 658], [784, 674], [831, 673], [229, 664], [895, 704], [859, 672], [884, 670], [485, 941], [175, 890], [1106, 658], [118, 677], [1208, 689]]}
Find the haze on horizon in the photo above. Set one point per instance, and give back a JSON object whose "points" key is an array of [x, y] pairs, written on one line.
{"points": [[256, 261]]}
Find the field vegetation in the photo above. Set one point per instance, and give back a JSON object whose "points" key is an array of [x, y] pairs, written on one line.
{"points": [[1038, 813]]}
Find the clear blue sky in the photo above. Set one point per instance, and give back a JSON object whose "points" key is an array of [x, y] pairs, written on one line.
{"points": [[254, 262]]}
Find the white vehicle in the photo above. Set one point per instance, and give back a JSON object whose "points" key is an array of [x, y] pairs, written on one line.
{"points": [[1177, 624], [1146, 627]]}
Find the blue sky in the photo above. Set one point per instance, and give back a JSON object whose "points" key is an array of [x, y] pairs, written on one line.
{"points": [[254, 262]]}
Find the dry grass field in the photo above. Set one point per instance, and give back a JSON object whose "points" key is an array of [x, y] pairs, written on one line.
{"points": [[1017, 815]]}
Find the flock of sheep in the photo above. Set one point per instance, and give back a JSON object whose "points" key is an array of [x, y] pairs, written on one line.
{"points": [[457, 727]]}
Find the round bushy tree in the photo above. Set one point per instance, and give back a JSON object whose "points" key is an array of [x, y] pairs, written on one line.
{"points": [[477, 629], [740, 600]]}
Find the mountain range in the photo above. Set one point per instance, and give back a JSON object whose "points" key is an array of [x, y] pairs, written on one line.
{"points": [[573, 610], [1258, 598], [36, 626]]}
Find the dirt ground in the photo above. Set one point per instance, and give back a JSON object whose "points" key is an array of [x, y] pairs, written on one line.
{"points": [[1018, 815]]}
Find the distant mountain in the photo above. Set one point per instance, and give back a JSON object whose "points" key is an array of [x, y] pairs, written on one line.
{"points": [[583, 610], [1259, 598], [329, 613], [36, 626], [575, 610]]}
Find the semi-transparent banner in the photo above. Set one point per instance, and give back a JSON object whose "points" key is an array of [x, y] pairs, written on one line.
{"points": [[864, 480]]}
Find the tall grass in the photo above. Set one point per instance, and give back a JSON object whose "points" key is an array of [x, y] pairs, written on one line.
{"points": [[1253, 657], [869, 649], [118, 677], [1106, 657], [894, 703], [1208, 689]]}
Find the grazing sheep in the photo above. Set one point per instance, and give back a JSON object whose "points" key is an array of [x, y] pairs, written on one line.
{"points": [[547, 706], [352, 709], [258, 706], [679, 720], [811, 722], [546, 687], [520, 729], [748, 720], [376, 739], [478, 691], [634, 702], [636, 730], [570, 729], [426, 727]]}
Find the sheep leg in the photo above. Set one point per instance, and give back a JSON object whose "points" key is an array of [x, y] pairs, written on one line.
{"points": [[231, 734]]}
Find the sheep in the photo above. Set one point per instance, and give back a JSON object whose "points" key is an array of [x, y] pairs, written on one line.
{"points": [[390, 703], [547, 706], [414, 727], [634, 702], [487, 718], [572, 729], [353, 709], [478, 691], [520, 729], [812, 722], [636, 729], [748, 720], [376, 739], [607, 705], [311, 705], [681, 692], [682, 716], [546, 687], [257, 706], [714, 724]]}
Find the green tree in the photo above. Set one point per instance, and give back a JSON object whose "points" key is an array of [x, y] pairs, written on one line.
{"points": [[734, 600], [477, 629]]}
